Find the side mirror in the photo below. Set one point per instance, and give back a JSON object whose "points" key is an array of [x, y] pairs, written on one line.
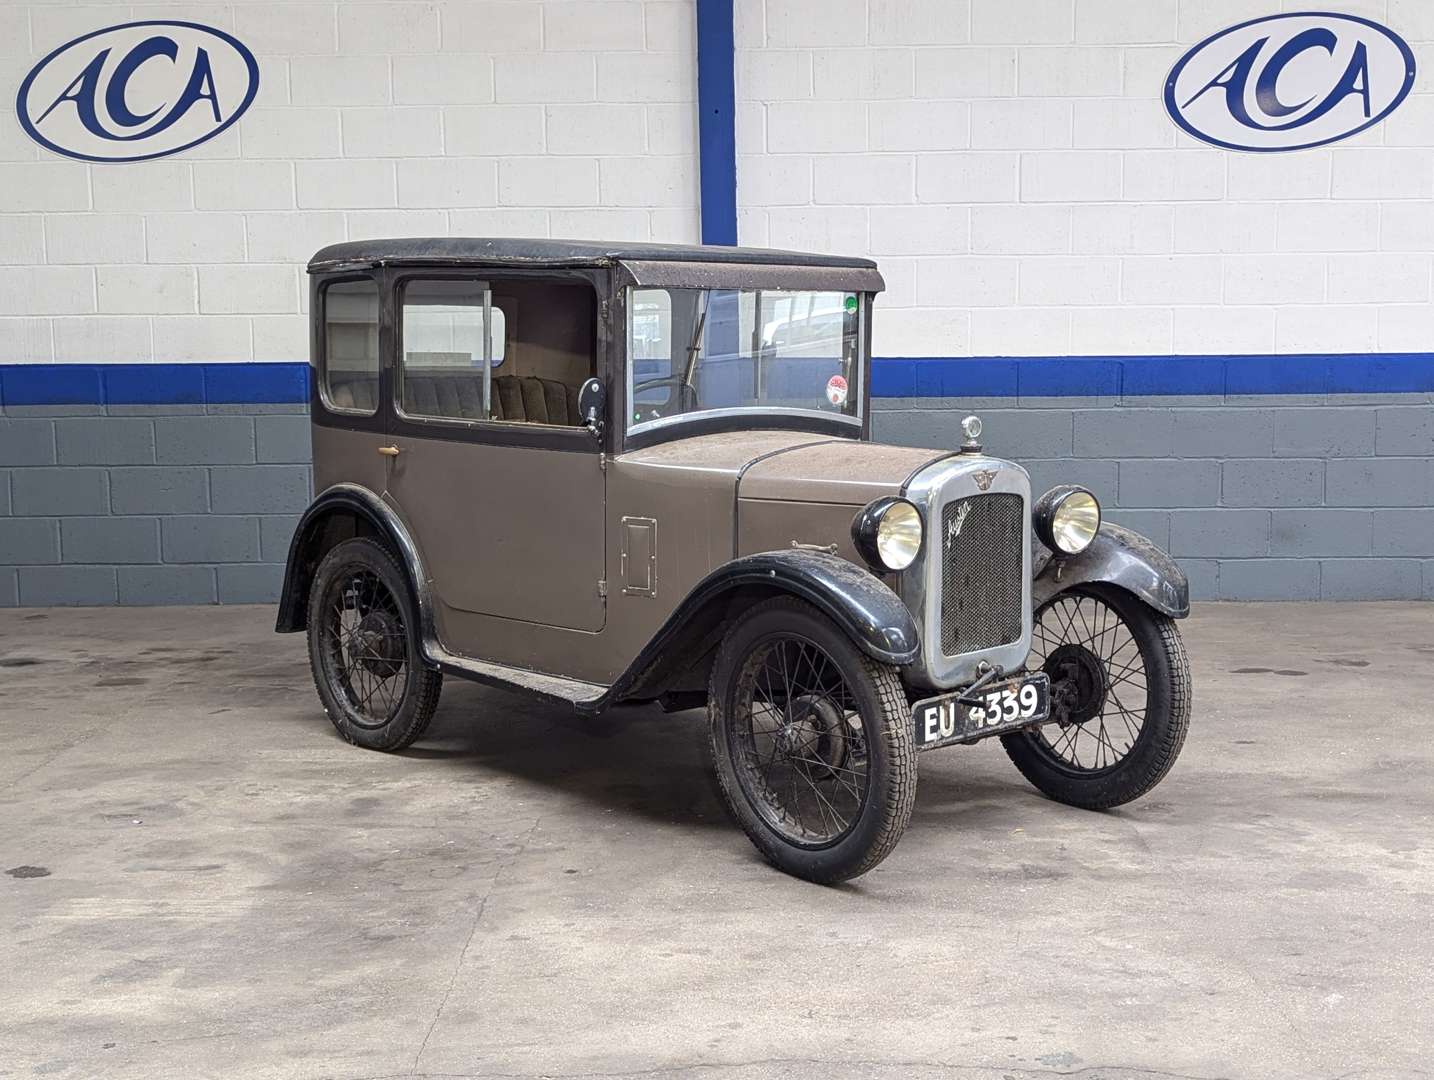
{"points": [[592, 406]]}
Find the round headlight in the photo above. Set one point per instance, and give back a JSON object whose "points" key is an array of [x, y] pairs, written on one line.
{"points": [[1066, 519], [887, 532]]}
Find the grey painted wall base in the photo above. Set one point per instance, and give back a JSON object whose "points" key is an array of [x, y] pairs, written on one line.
{"points": [[1259, 499], [149, 504]]}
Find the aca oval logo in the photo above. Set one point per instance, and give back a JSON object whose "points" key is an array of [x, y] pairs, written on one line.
{"points": [[1289, 82], [137, 91]]}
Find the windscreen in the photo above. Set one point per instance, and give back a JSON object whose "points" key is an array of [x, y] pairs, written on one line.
{"points": [[698, 351]]}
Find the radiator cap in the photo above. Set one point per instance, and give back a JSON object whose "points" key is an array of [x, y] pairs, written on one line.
{"points": [[971, 428]]}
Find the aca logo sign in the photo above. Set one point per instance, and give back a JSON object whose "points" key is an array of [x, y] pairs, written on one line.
{"points": [[137, 91], [1289, 82]]}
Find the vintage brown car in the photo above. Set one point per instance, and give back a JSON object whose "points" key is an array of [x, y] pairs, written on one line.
{"points": [[604, 473]]}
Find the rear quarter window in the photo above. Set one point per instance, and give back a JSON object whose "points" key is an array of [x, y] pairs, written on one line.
{"points": [[349, 379]]}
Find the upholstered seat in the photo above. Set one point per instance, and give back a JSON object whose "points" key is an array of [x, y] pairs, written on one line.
{"points": [[459, 396], [456, 397], [530, 400], [348, 390]]}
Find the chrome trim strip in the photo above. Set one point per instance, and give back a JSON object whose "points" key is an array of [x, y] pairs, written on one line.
{"points": [[939, 483], [703, 414]]}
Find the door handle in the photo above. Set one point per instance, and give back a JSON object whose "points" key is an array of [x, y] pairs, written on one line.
{"points": [[388, 451]]}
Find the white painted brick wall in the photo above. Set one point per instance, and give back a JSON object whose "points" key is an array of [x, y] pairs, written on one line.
{"points": [[215, 338], [1009, 162], [1327, 328], [1055, 208], [542, 181], [233, 290], [46, 290], [104, 339], [477, 117], [475, 130], [963, 178], [94, 238], [145, 290]]}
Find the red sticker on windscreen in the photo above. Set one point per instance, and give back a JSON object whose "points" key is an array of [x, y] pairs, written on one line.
{"points": [[836, 390]]}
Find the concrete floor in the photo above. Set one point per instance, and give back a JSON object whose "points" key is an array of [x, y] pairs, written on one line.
{"points": [[229, 890]]}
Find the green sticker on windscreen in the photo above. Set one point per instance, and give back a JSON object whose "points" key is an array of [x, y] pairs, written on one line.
{"points": [[851, 303]]}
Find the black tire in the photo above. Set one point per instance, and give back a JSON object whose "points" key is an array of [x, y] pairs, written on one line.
{"points": [[845, 730], [1128, 760], [372, 679]]}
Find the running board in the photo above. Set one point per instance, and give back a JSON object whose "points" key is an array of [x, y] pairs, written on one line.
{"points": [[585, 697]]}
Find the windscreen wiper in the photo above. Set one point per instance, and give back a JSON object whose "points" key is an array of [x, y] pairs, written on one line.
{"points": [[694, 348]]}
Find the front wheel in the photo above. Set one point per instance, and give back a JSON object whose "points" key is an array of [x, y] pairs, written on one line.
{"points": [[811, 743], [1120, 699]]}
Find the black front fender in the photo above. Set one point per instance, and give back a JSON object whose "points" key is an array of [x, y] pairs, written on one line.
{"points": [[1121, 558], [855, 599]]}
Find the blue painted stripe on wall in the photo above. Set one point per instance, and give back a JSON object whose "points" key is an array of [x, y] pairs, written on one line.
{"points": [[1147, 376], [716, 122], [934, 377], [154, 384]]}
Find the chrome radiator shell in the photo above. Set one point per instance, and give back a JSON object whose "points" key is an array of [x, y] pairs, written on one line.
{"points": [[921, 585]]}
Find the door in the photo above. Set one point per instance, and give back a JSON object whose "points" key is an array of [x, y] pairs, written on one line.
{"points": [[500, 483]]}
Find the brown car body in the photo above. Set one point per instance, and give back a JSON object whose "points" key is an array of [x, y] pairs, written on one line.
{"points": [[584, 561]]}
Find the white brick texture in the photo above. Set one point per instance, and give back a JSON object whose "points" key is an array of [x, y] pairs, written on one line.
{"points": [[373, 119], [94, 238], [1009, 161], [102, 338], [1012, 162], [545, 182], [474, 130], [248, 289], [145, 290]]}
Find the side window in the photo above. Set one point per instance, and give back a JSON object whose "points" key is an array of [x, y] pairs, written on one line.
{"points": [[350, 372], [446, 343], [512, 351]]}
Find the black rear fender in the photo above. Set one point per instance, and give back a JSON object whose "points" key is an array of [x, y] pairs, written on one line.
{"points": [[340, 513]]}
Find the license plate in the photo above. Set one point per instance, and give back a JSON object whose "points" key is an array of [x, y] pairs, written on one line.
{"points": [[1004, 706]]}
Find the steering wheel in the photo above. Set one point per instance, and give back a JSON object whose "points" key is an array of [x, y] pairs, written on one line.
{"points": [[687, 399]]}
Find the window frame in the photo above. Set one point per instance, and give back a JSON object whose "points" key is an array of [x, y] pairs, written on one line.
{"points": [[486, 431], [400, 367], [726, 418], [321, 333], [633, 360]]}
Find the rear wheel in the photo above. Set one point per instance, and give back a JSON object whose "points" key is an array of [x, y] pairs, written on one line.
{"points": [[1120, 699], [811, 743], [363, 648]]}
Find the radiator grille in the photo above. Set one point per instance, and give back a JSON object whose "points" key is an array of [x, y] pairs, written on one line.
{"points": [[982, 576]]}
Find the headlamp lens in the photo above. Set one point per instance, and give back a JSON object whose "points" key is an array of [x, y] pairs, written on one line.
{"points": [[898, 536], [1075, 522]]}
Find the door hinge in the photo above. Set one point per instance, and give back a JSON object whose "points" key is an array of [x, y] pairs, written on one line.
{"points": [[602, 588]]}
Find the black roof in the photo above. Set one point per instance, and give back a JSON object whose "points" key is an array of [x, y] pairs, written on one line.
{"points": [[520, 252]]}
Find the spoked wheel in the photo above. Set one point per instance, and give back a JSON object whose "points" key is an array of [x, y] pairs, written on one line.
{"points": [[1120, 699], [374, 684], [810, 743], [800, 747]]}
